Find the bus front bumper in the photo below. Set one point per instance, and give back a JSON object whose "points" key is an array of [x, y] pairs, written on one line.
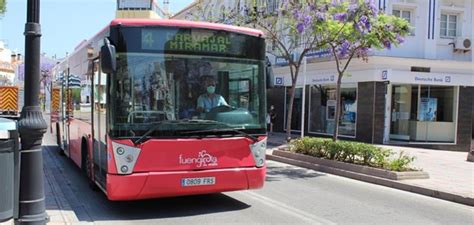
{"points": [[166, 184]]}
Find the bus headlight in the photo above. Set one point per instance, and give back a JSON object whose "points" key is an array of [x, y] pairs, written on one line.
{"points": [[120, 150], [258, 152], [125, 157]]}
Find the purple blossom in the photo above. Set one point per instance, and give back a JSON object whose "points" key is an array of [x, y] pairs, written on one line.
{"points": [[353, 7], [344, 48], [340, 17], [368, 26], [300, 27], [320, 16], [400, 39], [307, 20], [357, 27], [372, 6], [285, 4], [335, 2], [387, 44]]}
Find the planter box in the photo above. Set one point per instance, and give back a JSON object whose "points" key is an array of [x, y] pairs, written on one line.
{"points": [[392, 175]]}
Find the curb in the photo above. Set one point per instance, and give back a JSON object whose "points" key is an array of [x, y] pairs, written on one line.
{"points": [[376, 180], [371, 171]]}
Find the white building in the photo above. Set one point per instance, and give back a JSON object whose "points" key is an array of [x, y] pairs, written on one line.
{"points": [[420, 93], [150, 9], [7, 72]]}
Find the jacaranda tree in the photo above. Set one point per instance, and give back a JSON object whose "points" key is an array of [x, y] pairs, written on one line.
{"points": [[347, 28], [352, 29], [289, 29]]}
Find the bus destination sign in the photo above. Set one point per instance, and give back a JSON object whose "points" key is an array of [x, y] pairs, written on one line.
{"points": [[188, 40]]}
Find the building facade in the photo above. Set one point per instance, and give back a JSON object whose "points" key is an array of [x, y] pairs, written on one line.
{"points": [[418, 94], [149, 9]]}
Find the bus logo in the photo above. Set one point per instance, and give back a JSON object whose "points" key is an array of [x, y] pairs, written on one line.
{"points": [[204, 159]]}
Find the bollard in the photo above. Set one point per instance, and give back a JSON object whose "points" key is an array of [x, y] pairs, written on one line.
{"points": [[8, 161]]}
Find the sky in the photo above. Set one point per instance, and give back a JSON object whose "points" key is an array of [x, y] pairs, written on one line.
{"points": [[64, 23]]}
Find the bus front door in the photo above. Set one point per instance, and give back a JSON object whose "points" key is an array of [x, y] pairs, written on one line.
{"points": [[99, 125], [66, 111]]}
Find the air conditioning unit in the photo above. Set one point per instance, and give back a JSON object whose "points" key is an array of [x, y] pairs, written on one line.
{"points": [[463, 43]]}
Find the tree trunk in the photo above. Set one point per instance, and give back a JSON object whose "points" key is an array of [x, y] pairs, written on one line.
{"points": [[338, 107], [289, 113]]}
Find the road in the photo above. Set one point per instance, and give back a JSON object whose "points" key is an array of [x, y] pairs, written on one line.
{"points": [[291, 195]]}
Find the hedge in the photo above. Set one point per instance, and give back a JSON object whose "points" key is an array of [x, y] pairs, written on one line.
{"points": [[352, 152]]}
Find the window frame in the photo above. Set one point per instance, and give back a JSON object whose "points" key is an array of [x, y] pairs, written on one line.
{"points": [[412, 18], [447, 28], [343, 86]]}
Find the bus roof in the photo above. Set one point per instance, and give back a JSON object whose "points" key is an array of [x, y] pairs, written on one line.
{"points": [[186, 23]]}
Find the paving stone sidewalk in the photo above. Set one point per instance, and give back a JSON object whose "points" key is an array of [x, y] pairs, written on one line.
{"points": [[57, 207], [449, 171]]}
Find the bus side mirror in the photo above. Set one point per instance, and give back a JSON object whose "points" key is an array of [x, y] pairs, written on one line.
{"points": [[269, 73], [108, 61]]}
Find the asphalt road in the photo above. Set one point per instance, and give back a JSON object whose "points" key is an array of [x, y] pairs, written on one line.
{"points": [[291, 195]]}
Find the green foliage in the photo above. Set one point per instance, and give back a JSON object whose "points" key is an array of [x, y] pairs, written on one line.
{"points": [[351, 152], [3, 7], [399, 164]]}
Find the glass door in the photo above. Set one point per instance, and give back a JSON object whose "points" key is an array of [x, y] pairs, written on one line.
{"points": [[99, 125], [401, 110], [296, 110]]}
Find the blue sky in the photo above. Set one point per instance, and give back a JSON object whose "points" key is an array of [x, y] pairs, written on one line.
{"points": [[64, 23]]}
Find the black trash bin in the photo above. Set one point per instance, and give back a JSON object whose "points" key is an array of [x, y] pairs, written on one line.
{"points": [[8, 149]]}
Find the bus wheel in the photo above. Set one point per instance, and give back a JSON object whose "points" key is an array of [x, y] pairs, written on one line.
{"points": [[58, 140], [87, 165]]}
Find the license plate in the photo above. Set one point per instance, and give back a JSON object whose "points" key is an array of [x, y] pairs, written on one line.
{"points": [[198, 181]]}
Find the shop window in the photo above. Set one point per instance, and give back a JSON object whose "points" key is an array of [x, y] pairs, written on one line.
{"points": [[323, 108], [422, 113]]}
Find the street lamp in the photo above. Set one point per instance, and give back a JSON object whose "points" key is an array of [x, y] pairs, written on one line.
{"points": [[32, 126]]}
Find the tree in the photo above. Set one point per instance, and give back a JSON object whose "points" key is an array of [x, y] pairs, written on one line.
{"points": [[3, 7], [352, 29], [289, 29]]}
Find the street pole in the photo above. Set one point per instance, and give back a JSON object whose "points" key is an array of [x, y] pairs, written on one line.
{"points": [[303, 98], [32, 126]]}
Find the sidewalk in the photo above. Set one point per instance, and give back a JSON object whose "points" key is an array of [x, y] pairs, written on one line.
{"points": [[57, 207], [449, 171]]}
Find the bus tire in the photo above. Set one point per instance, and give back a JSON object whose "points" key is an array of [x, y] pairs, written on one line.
{"points": [[58, 140], [86, 165]]}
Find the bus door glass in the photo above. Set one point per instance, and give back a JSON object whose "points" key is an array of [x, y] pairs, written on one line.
{"points": [[99, 124]]}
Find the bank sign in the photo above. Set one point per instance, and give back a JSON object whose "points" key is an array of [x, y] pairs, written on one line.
{"points": [[427, 78]]}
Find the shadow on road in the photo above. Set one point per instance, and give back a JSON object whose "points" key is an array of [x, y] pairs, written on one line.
{"points": [[277, 173], [89, 205]]}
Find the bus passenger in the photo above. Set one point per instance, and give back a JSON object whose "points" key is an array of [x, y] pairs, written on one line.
{"points": [[210, 99]]}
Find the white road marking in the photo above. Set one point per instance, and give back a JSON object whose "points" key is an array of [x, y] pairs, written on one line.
{"points": [[282, 207]]}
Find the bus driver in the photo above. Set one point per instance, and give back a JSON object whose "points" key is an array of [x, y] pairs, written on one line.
{"points": [[210, 99]]}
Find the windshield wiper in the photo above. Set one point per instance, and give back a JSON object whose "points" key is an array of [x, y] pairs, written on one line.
{"points": [[156, 125], [253, 138]]}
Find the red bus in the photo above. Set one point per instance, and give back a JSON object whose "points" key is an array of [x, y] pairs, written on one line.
{"points": [[157, 108]]}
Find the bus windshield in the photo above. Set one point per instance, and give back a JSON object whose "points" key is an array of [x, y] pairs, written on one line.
{"points": [[179, 94], [178, 82]]}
